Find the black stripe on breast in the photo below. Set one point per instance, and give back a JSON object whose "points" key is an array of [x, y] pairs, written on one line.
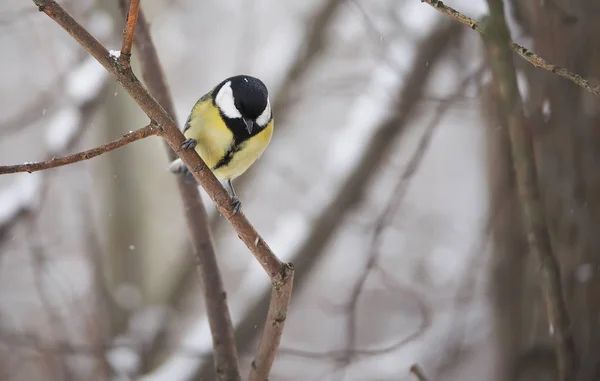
{"points": [[226, 159], [240, 136]]}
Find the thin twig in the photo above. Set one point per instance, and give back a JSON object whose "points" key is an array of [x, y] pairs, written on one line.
{"points": [[219, 317], [46, 100], [271, 336], [343, 356], [131, 137], [418, 372], [397, 197], [323, 226], [497, 39], [310, 51], [174, 137], [525, 53], [101, 295], [280, 273], [30, 210], [55, 322], [87, 111], [129, 32]]}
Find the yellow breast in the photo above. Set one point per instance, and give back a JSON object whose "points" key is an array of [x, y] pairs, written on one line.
{"points": [[214, 139]]}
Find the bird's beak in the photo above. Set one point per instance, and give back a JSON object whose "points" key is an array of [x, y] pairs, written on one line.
{"points": [[249, 124]]}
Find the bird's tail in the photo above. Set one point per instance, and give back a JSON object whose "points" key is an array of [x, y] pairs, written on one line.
{"points": [[177, 166]]}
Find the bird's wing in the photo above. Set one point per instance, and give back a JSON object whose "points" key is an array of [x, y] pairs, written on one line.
{"points": [[187, 125], [205, 97]]}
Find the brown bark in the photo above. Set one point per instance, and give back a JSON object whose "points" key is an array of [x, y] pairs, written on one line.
{"points": [[564, 123]]}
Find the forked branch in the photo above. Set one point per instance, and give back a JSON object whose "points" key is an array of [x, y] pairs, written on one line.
{"points": [[149, 130], [128, 34], [522, 51], [173, 136], [215, 301], [271, 336], [281, 273], [497, 39]]}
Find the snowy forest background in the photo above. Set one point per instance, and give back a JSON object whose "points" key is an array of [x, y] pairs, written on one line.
{"points": [[387, 184]]}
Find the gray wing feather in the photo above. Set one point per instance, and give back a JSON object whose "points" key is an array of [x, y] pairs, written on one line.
{"points": [[204, 98]]}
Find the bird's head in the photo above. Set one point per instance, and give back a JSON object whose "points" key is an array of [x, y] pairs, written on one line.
{"points": [[244, 101]]}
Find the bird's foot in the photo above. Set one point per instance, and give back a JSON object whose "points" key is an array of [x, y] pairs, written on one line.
{"points": [[236, 206], [189, 143]]}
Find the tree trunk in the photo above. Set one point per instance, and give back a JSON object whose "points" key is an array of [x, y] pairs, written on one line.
{"points": [[566, 131]]}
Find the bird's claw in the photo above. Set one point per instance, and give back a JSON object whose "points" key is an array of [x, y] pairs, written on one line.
{"points": [[236, 206], [189, 143]]}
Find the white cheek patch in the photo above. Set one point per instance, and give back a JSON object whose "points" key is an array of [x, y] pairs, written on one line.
{"points": [[225, 102], [264, 118]]}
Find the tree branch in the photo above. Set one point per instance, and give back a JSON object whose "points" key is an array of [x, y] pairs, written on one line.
{"points": [[353, 184], [219, 318], [132, 17], [311, 50], [525, 53], [131, 137], [389, 211], [280, 273], [174, 137], [271, 336], [497, 39], [418, 372]]}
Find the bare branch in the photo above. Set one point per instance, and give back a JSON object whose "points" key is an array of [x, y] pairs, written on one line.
{"points": [[132, 17], [35, 188], [352, 186], [454, 350], [525, 53], [271, 336], [385, 218], [418, 372], [174, 137], [308, 55], [44, 100], [497, 39], [55, 322], [131, 137], [219, 318], [85, 110], [280, 273], [425, 314]]}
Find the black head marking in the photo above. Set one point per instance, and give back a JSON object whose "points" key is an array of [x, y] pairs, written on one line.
{"points": [[250, 95], [250, 98]]}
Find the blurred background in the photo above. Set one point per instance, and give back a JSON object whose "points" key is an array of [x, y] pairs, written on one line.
{"points": [[387, 183]]}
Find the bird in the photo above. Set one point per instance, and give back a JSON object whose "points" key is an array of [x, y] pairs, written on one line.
{"points": [[229, 127]]}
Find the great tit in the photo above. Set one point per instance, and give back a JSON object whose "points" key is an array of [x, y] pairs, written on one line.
{"points": [[229, 127]]}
